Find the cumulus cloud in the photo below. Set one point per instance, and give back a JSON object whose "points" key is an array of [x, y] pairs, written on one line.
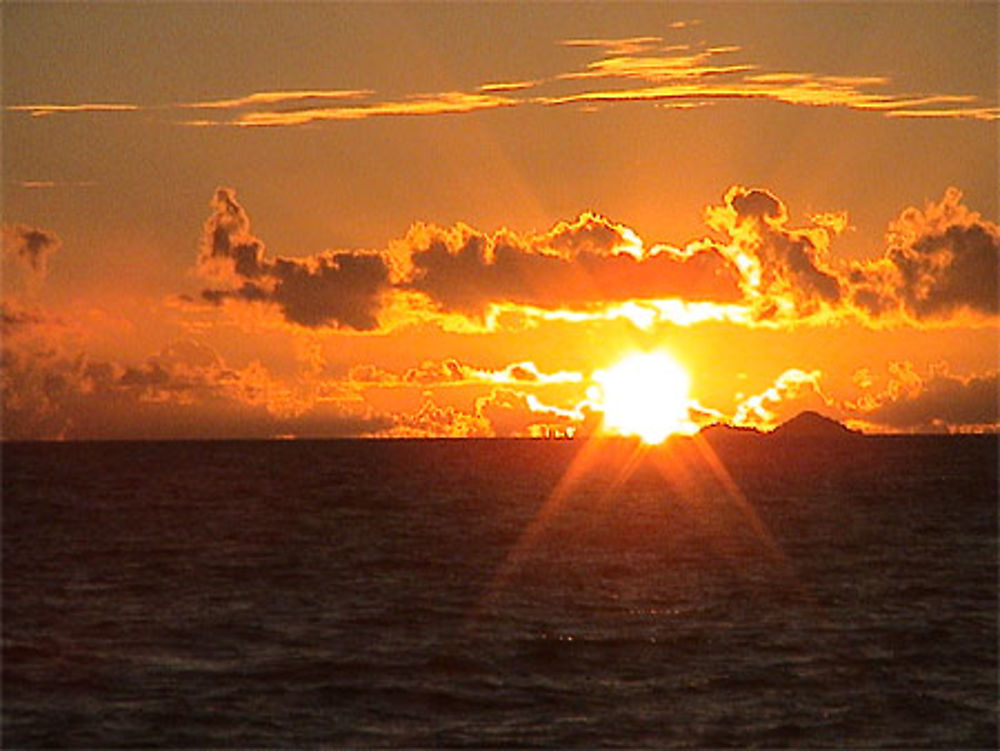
{"points": [[784, 272], [589, 260], [30, 246], [939, 267], [333, 288], [939, 402], [513, 413], [939, 262]]}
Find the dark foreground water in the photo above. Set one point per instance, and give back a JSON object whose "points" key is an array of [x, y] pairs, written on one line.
{"points": [[501, 593]]}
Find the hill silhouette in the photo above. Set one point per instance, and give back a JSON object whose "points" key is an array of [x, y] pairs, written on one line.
{"points": [[811, 424], [807, 424], [722, 432]]}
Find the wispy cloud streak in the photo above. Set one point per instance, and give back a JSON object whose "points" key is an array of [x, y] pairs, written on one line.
{"points": [[630, 69], [44, 110]]}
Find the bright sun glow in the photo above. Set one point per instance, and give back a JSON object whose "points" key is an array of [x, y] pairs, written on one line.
{"points": [[644, 395]]}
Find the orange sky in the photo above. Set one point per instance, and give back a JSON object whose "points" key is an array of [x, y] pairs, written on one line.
{"points": [[447, 220]]}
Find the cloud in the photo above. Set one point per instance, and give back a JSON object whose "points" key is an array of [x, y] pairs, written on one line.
{"points": [[939, 402], [513, 414], [49, 184], [30, 246], [784, 272], [660, 68], [500, 86], [503, 413], [940, 263], [669, 78], [451, 372], [43, 110], [434, 421], [792, 392], [279, 97], [667, 75], [511, 405], [939, 267], [443, 103], [590, 260], [341, 289], [620, 46], [52, 390]]}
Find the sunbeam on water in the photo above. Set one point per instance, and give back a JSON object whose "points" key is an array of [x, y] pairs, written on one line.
{"points": [[501, 593]]}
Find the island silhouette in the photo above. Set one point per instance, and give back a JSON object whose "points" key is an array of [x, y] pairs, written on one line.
{"points": [[805, 425]]}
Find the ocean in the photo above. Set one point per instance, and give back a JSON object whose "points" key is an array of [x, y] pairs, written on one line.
{"points": [[501, 593]]}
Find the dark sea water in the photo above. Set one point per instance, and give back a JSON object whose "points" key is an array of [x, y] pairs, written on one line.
{"points": [[501, 593]]}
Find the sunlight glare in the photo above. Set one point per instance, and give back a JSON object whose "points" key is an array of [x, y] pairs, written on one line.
{"points": [[644, 395]]}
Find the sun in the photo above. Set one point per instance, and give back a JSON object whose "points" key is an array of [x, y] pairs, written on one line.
{"points": [[644, 395]]}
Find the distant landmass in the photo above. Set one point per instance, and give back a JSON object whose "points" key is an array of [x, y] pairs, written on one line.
{"points": [[804, 425], [811, 425]]}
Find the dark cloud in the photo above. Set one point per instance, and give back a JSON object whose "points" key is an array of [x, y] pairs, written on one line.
{"points": [[16, 317], [339, 289], [589, 261], [940, 266], [943, 401], [185, 391], [940, 262], [30, 246]]}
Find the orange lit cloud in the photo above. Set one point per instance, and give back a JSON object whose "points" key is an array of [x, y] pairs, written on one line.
{"points": [[940, 265], [810, 93], [660, 68], [453, 372], [434, 421], [793, 391], [623, 46], [500, 86], [939, 268], [589, 260], [445, 103], [503, 413], [515, 414], [279, 97], [784, 272], [671, 75], [43, 110], [682, 77]]}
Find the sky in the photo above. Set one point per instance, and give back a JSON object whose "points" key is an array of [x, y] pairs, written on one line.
{"points": [[460, 220]]}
